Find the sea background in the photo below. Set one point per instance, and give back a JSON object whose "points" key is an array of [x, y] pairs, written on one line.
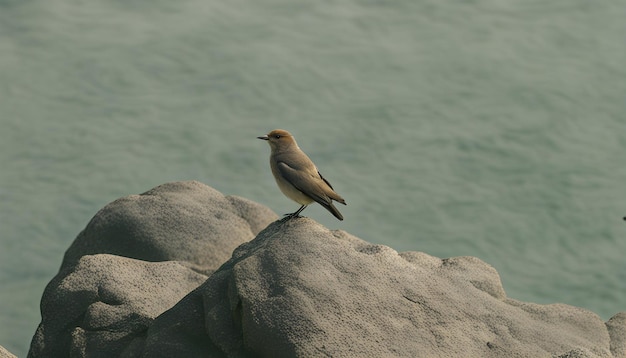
{"points": [[494, 129]]}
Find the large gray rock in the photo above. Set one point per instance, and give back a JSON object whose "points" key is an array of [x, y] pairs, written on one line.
{"points": [[180, 221], [135, 259], [99, 306], [142, 280], [299, 289]]}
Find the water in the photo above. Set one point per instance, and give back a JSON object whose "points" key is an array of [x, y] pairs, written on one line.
{"points": [[485, 128]]}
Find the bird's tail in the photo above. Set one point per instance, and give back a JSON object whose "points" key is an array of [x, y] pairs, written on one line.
{"points": [[333, 210]]}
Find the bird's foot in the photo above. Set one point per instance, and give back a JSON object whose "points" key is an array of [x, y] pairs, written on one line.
{"points": [[295, 214], [291, 216]]}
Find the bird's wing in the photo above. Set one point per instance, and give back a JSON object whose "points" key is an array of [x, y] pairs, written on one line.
{"points": [[325, 181], [313, 186], [332, 192], [305, 182]]}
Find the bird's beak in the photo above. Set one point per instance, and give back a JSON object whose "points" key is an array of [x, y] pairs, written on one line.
{"points": [[264, 137]]}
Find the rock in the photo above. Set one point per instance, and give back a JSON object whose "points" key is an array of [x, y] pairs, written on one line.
{"points": [[617, 330], [299, 289], [188, 222], [147, 278], [5, 354], [135, 259], [105, 301]]}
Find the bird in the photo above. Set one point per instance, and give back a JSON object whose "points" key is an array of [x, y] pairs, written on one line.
{"points": [[297, 176]]}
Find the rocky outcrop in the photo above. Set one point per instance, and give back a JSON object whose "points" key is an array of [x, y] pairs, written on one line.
{"points": [[136, 258], [297, 289], [188, 222]]}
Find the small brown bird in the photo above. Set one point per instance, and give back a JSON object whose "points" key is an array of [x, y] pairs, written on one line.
{"points": [[297, 176]]}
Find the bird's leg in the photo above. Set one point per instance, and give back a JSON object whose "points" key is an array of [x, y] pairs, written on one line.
{"points": [[299, 211], [295, 215]]}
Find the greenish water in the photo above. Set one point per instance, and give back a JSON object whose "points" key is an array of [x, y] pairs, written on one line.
{"points": [[485, 128]]}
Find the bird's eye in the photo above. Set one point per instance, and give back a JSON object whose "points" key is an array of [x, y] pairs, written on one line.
{"points": [[277, 136]]}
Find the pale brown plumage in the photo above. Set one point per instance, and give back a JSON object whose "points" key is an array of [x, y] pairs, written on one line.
{"points": [[297, 176]]}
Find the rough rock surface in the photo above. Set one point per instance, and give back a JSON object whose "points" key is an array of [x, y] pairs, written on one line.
{"points": [[297, 289], [5, 354], [136, 258], [180, 221], [105, 301]]}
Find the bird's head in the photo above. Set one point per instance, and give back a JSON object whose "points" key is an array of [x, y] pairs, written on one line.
{"points": [[279, 139]]}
